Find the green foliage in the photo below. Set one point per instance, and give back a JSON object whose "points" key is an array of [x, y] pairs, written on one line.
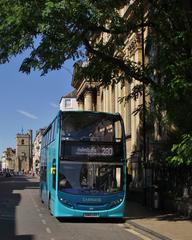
{"points": [[182, 152], [58, 30], [171, 65], [53, 30]]}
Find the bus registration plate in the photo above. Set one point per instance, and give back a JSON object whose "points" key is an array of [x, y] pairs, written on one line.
{"points": [[91, 215]]}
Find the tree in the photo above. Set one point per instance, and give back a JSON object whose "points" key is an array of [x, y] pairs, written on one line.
{"points": [[182, 152], [172, 40], [57, 30], [63, 30]]}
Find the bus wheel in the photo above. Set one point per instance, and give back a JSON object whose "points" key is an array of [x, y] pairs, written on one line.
{"points": [[41, 196], [49, 204]]}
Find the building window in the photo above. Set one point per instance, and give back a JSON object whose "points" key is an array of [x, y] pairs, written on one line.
{"points": [[67, 103], [22, 141]]}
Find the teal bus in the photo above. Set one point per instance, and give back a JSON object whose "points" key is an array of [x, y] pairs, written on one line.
{"points": [[83, 165]]}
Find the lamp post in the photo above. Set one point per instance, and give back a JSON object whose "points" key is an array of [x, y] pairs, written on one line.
{"points": [[144, 102]]}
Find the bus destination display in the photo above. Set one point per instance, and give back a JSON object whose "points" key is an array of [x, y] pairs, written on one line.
{"points": [[92, 151]]}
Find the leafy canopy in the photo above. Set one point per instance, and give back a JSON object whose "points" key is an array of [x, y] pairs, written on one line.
{"points": [[58, 30], [182, 152], [63, 29]]}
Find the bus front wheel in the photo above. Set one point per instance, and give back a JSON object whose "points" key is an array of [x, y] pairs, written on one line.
{"points": [[41, 196], [49, 204]]}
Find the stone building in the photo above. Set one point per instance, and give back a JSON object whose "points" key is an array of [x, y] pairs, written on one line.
{"points": [[3, 162], [24, 151], [9, 157], [37, 150]]}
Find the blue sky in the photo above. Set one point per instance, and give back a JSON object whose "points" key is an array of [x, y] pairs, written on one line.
{"points": [[29, 101]]}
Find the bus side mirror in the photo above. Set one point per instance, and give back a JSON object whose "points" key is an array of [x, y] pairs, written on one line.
{"points": [[53, 170]]}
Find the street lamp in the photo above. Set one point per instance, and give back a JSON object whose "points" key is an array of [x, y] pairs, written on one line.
{"points": [[144, 101]]}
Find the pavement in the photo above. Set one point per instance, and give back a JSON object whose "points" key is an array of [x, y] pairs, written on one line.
{"points": [[161, 225]]}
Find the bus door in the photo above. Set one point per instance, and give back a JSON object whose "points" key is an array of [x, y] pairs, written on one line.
{"points": [[53, 182]]}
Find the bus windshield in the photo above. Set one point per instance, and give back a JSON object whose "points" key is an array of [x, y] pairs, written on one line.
{"points": [[91, 127], [90, 178]]}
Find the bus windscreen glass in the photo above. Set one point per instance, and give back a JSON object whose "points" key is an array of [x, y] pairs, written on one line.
{"points": [[91, 178], [91, 127]]}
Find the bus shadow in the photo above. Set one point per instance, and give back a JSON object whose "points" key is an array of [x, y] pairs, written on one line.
{"points": [[91, 220], [9, 200]]}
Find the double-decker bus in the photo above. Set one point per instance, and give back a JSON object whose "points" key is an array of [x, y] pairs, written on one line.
{"points": [[83, 165]]}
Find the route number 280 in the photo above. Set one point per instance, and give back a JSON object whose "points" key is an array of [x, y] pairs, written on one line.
{"points": [[107, 151]]}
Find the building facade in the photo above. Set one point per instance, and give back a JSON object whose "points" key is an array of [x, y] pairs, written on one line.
{"points": [[37, 151], [24, 152], [3, 162], [8, 159]]}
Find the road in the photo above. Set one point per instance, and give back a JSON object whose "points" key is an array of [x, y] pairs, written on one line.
{"points": [[24, 217]]}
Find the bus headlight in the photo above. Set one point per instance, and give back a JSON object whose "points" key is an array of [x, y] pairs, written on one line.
{"points": [[115, 203], [67, 203]]}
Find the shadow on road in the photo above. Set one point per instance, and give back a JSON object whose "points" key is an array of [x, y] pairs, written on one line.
{"points": [[136, 210], [91, 220], [8, 203]]}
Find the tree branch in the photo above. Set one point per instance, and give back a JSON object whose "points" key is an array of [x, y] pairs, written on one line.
{"points": [[127, 68]]}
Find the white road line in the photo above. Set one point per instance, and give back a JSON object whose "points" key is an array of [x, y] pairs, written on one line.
{"points": [[48, 230], [43, 221], [121, 225], [138, 234], [52, 238], [40, 215]]}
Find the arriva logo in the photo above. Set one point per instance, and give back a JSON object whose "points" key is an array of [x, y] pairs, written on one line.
{"points": [[87, 199]]}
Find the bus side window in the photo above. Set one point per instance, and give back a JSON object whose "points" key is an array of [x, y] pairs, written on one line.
{"points": [[55, 130]]}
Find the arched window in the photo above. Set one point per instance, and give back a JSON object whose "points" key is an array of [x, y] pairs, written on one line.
{"points": [[22, 141]]}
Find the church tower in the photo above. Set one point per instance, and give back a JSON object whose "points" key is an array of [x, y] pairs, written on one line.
{"points": [[24, 151]]}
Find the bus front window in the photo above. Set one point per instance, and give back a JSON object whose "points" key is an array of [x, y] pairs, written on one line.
{"points": [[90, 178], [90, 128]]}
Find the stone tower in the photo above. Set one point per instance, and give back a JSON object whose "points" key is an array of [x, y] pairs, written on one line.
{"points": [[24, 151]]}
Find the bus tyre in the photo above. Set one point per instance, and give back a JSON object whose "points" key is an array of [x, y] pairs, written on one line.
{"points": [[41, 196], [49, 205]]}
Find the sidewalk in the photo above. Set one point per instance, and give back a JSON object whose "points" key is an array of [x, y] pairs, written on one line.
{"points": [[162, 225]]}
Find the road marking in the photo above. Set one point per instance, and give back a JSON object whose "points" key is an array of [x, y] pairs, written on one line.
{"points": [[40, 215], [43, 221], [137, 234], [52, 238], [121, 225], [48, 230]]}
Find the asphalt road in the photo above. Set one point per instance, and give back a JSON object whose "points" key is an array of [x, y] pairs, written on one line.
{"points": [[24, 217]]}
